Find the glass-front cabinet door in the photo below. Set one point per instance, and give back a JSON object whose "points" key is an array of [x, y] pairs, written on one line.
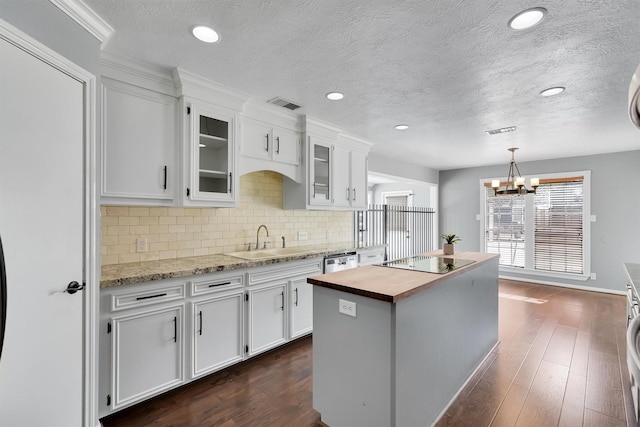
{"points": [[320, 171], [212, 155]]}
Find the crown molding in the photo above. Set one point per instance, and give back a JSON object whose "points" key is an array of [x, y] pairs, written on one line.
{"points": [[84, 16], [136, 72], [194, 86]]}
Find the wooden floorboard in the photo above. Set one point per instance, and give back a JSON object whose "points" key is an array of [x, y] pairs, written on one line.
{"points": [[558, 363]]}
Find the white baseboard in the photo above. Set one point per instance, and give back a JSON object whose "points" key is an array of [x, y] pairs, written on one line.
{"points": [[564, 285]]}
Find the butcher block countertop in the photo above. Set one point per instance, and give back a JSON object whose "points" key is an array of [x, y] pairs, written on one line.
{"points": [[394, 284]]}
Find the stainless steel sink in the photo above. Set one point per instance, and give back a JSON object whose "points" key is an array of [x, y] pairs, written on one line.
{"points": [[268, 253]]}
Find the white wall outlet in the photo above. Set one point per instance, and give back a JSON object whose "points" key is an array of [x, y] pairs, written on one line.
{"points": [[142, 244], [328, 234], [302, 235], [593, 276], [347, 307]]}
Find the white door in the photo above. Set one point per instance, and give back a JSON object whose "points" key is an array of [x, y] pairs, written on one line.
{"points": [[41, 224]]}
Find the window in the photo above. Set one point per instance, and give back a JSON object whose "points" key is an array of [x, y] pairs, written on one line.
{"points": [[545, 233]]}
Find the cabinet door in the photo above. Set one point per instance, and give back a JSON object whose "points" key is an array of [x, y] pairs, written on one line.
{"points": [[358, 180], [217, 333], [138, 137], [301, 303], [257, 140], [320, 179], [267, 318], [286, 146], [212, 159], [342, 191], [146, 354]]}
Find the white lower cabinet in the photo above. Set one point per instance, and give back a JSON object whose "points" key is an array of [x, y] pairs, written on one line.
{"points": [[153, 334], [267, 317], [217, 329], [146, 354], [300, 307]]}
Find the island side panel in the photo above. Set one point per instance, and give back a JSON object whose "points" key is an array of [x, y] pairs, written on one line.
{"points": [[442, 334], [351, 360]]}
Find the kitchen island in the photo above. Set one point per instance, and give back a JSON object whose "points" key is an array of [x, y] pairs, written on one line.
{"points": [[393, 347]]}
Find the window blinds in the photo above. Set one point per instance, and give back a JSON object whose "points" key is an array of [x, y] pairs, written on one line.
{"points": [[558, 227], [555, 213]]}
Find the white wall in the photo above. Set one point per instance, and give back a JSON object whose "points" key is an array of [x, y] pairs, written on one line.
{"points": [[422, 196], [383, 165], [615, 200]]}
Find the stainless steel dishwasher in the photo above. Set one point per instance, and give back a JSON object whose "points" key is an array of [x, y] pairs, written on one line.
{"points": [[341, 261]]}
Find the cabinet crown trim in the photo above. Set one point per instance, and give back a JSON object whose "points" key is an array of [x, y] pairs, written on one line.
{"points": [[194, 86], [138, 73]]}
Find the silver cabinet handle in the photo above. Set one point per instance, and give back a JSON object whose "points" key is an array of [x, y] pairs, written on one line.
{"points": [[267, 149], [277, 145]]}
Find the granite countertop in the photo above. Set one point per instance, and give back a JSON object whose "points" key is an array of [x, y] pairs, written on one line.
{"points": [[393, 284], [138, 272]]}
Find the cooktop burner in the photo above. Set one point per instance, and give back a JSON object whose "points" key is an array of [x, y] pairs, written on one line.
{"points": [[428, 264]]}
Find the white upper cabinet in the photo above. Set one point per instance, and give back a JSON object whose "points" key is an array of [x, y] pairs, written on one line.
{"points": [[263, 141], [335, 171], [320, 177], [210, 155], [350, 175], [209, 129], [138, 141], [270, 140]]}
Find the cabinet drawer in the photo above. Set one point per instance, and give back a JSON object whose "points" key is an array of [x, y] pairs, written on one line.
{"points": [[370, 258], [141, 298], [216, 284], [285, 271]]}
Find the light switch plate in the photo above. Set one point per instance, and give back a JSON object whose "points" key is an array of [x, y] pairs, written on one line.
{"points": [[347, 307], [302, 235]]}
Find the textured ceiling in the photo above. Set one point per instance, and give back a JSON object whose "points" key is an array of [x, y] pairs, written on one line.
{"points": [[449, 69]]}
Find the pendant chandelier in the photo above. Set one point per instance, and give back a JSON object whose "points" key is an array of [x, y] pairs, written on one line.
{"points": [[515, 184]]}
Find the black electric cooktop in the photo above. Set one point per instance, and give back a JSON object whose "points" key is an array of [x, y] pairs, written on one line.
{"points": [[428, 264]]}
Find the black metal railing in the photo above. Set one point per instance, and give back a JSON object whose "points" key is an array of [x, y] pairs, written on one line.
{"points": [[405, 230]]}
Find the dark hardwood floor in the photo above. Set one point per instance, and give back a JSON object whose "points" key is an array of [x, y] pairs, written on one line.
{"points": [[561, 361]]}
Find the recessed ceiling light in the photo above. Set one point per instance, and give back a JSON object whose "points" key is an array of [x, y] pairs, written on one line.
{"points": [[527, 18], [205, 34], [552, 91], [402, 127], [335, 96]]}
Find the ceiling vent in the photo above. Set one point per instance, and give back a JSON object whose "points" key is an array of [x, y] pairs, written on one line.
{"points": [[281, 102], [501, 130]]}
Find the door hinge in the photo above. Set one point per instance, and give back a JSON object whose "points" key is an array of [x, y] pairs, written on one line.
{"points": [[188, 110], [188, 192], [246, 349], [108, 400], [246, 296], [109, 327]]}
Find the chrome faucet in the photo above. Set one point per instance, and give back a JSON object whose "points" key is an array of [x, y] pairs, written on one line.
{"points": [[258, 234]]}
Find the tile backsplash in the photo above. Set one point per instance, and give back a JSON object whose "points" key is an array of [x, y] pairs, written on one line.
{"points": [[185, 232]]}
